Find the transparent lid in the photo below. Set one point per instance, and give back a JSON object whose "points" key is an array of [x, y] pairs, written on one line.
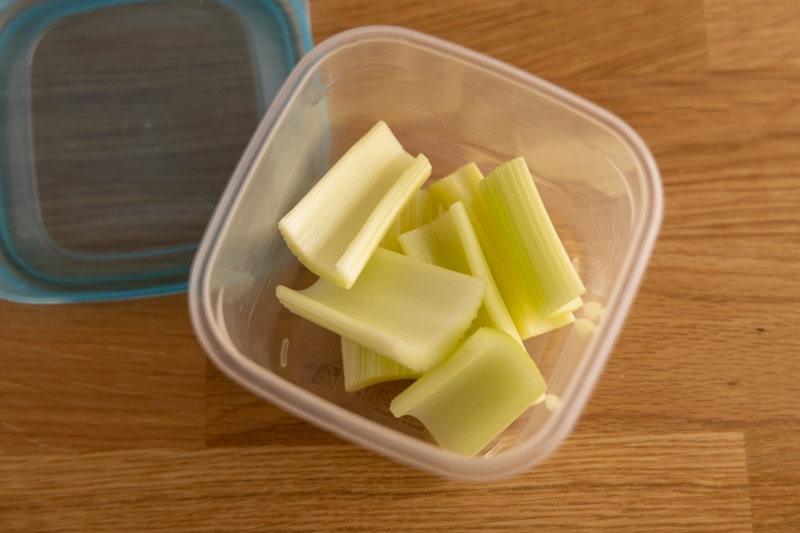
{"points": [[121, 121]]}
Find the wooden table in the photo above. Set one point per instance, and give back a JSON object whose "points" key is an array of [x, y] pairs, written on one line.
{"points": [[111, 419]]}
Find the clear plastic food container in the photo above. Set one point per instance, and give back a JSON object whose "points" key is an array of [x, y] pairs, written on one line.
{"points": [[121, 121], [597, 178]]}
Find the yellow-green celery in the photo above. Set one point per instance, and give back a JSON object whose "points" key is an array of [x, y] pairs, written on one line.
{"points": [[450, 242], [334, 229], [475, 393], [403, 308]]}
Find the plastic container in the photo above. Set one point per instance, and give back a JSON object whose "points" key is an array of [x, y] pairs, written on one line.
{"points": [[596, 176], [120, 124]]}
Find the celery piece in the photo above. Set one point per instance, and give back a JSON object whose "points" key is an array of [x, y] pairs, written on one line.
{"points": [[451, 242], [464, 185], [534, 326], [584, 327], [552, 402], [337, 225], [423, 207], [563, 316], [460, 185], [364, 367], [594, 310], [505, 272], [569, 307], [475, 393], [547, 277], [403, 308]]}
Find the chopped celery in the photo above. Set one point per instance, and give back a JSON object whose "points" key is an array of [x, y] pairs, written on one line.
{"points": [[535, 326], [547, 279], [561, 317], [403, 308], [569, 307], [464, 185], [461, 185], [552, 402], [594, 310], [422, 208], [490, 269], [592, 315], [475, 393], [450, 242], [335, 228], [584, 327], [364, 367]]}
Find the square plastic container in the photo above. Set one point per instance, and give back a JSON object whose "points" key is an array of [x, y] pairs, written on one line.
{"points": [[597, 178], [121, 121]]}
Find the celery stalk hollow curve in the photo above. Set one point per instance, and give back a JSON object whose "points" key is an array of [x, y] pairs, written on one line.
{"points": [[405, 309], [475, 393], [340, 222]]}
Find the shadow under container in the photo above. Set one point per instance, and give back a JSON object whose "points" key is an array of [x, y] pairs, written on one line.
{"points": [[597, 178]]}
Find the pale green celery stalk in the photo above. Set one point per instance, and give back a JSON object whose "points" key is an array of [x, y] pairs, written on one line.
{"points": [[400, 307], [364, 367], [337, 225], [450, 242], [505, 272], [569, 307], [475, 393], [422, 208], [547, 277], [563, 316], [535, 326], [464, 185], [459, 186]]}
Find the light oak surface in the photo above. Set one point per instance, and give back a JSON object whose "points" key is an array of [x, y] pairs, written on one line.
{"points": [[111, 419]]}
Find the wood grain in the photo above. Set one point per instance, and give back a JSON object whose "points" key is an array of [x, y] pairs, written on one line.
{"points": [[571, 37], [140, 382], [111, 418], [752, 34], [650, 482], [727, 251]]}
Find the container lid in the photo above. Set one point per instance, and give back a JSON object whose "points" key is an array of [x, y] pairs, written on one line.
{"points": [[121, 122]]}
